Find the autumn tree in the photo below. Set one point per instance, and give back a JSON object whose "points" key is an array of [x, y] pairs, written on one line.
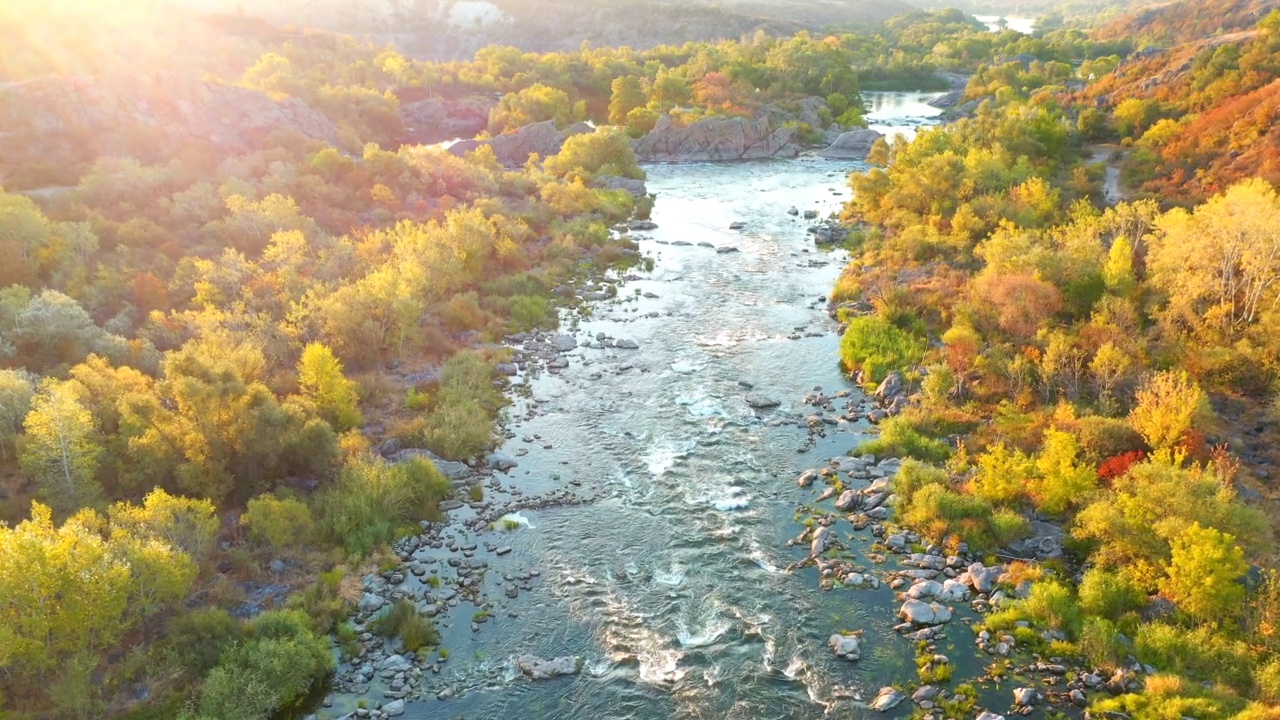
{"points": [[1204, 573], [321, 381], [1168, 405], [1219, 265], [536, 103], [186, 524], [628, 94], [1062, 481], [68, 594], [61, 452], [16, 390]]}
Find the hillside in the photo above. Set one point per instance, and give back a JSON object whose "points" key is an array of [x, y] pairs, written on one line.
{"points": [[1188, 20], [1200, 115], [457, 28]]}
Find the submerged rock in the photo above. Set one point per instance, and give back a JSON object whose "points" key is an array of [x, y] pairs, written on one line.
{"points": [[536, 668], [761, 402]]}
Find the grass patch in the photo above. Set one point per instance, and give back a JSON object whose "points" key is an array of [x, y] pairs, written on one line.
{"points": [[402, 620]]}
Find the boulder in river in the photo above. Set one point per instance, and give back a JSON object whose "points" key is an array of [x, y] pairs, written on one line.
{"points": [[807, 477], [761, 402], [624, 344], [887, 699], [847, 501], [921, 613], [536, 668], [852, 145], [821, 540], [845, 646], [564, 343]]}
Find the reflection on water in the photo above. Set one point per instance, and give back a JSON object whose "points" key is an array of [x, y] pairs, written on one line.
{"points": [[901, 113], [996, 23]]}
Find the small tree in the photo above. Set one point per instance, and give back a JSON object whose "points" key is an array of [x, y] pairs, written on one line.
{"points": [[1204, 573], [1169, 404], [321, 380], [61, 453]]}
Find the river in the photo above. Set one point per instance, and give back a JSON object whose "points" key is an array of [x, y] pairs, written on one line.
{"points": [[668, 583]]}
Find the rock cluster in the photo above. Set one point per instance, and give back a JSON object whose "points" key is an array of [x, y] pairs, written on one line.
{"points": [[716, 139]]}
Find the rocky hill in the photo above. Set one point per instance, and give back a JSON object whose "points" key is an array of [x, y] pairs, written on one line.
{"points": [[1188, 20], [457, 28], [51, 122]]}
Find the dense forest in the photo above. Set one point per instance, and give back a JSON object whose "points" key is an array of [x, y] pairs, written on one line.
{"points": [[1108, 366], [234, 275]]}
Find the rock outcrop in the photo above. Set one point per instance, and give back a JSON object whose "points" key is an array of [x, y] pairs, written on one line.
{"points": [[716, 139], [437, 119], [514, 149], [77, 119], [853, 145]]}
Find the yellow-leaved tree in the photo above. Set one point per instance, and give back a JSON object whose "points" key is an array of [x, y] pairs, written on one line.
{"points": [[69, 594]]}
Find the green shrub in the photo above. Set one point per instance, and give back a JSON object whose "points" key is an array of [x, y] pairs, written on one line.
{"points": [[374, 498], [529, 312], [1103, 437], [1267, 678], [939, 513], [198, 638], [1051, 605], [1100, 645], [1007, 526], [272, 671], [348, 638], [1109, 595], [417, 400], [1202, 654], [459, 430], [1169, 696], [467, 403], [644, 207], [898, 438], [913, 476], [878, 348], [322, 601], [403, 620], [278, 522]]}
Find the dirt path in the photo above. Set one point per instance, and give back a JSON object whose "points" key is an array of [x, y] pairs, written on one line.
{"points": [[1110, 156]]}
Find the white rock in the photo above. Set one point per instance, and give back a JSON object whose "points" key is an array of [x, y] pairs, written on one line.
{"points": [[845, 646]]}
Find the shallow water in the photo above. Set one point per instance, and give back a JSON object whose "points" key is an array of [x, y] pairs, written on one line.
{"points": [[901, 113], [996, 23], [670, 584]]}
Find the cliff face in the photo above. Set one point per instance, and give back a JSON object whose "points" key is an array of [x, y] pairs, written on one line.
{"points": [[73, 120], [716, 139]]}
